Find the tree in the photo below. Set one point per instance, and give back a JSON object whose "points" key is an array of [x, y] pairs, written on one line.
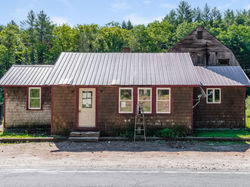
{"points": [[63, 40], [216, 17], [29, 29], [183, 29], [171, 17], [161, 34], [44, 28], [127, 25], [206, 15], [11, 48], [85, 36], [111, 39], [184, 12], [197, 15], [228, 17]]}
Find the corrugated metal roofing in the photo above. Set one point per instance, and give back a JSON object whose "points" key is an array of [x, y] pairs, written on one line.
{"points": [[123, 69], [222, 76], [26, 75]]}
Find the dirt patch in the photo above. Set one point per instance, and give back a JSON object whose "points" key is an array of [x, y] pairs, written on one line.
{"points": [[128, 155]]}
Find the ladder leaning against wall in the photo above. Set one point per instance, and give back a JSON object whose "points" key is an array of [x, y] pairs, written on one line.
{"points": [[140, 126]]}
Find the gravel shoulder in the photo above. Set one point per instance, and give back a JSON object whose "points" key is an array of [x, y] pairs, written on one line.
{"points": [[207, 156]]}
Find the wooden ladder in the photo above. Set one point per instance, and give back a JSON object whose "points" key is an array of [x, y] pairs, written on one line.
{"points": [[139, 122]]}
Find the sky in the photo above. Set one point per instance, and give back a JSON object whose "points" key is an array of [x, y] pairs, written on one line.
{"points": [[73, 12]]}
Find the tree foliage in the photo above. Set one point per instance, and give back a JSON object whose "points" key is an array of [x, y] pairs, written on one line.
{"points": [[38, 41]]}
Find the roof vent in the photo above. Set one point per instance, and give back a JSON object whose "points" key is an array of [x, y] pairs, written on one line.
{"points": [[199, 35]]}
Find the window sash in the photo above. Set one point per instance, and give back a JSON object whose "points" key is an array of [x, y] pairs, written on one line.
{"points": [[161, 100], [146, 100], [34, 98], [213, 96], [126, 101]]}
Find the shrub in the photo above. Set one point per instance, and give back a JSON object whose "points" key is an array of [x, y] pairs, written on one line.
{"points": [[175, 131], [167, 132]]}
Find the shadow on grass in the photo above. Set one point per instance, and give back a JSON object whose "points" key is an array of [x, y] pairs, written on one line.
{"points": [[159, 146]]}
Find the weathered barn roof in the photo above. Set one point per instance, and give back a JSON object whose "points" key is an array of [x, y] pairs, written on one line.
{"points": [[123, 69], [222, 76], [26, 75]]}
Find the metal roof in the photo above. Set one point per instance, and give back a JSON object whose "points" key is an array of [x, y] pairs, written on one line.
{"points": [[26, 75], [222, 76], [123, 69]]}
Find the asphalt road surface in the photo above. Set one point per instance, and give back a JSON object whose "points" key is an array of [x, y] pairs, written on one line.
{"points": [[71, 177]]}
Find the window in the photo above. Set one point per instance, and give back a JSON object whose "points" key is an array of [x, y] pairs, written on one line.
{"points": [[199, 35], [125, 100], [87, 99], [213, 95], [35, 98], [223, 62], [145, 99], [163, 100]]}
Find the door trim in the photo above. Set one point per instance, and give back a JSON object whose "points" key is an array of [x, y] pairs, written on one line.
{"points": [[77, 108]]}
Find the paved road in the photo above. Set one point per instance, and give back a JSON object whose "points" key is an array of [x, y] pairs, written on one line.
{"points": [[67, 177]]}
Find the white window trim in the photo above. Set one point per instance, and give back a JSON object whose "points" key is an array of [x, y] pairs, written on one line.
{"points": [[169, 89], [142, 88], [125, 112], [32, 108], [213, 102]]}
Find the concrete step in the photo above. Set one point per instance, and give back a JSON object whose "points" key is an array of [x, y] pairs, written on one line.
{"points": [[83, 139], [85, 134]]}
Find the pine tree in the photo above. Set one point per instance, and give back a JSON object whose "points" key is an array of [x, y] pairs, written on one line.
{"points": [[30, 23], [124, 24], [44, 29], [129, 25], [184, 12]]}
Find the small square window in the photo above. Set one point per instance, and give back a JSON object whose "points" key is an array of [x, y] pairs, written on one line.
{"points": [[213, 95]]}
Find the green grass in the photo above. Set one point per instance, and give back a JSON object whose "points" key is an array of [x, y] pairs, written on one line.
{"points": [[248, 118], [223, 133], [21, 135]]}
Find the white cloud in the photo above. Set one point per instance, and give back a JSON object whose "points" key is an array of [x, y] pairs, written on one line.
{"points": [[248, 7], [59, 20], [137, 20], [169, 5], [119, 5]]}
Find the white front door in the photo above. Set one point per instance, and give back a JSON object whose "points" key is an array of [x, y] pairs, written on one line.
{"points": [[87, 107]]}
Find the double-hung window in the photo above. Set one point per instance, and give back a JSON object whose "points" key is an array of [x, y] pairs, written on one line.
{"points": [[34, 101], [213, 95], [126, 100], [163, 98], [145, 99]]}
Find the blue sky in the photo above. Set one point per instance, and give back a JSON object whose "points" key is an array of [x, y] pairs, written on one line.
{"points": [[101, 12]]}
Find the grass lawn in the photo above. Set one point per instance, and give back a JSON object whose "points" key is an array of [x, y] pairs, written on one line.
{"points": [[223, 133], [248, 118], [21, 135]]}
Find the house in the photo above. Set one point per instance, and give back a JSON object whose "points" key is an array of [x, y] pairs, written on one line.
{"points": [[101, 91]]}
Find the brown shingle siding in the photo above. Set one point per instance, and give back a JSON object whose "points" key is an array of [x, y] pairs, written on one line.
{"points": [[64, 106], [111, 122], [229, 114], [16, 108]]}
